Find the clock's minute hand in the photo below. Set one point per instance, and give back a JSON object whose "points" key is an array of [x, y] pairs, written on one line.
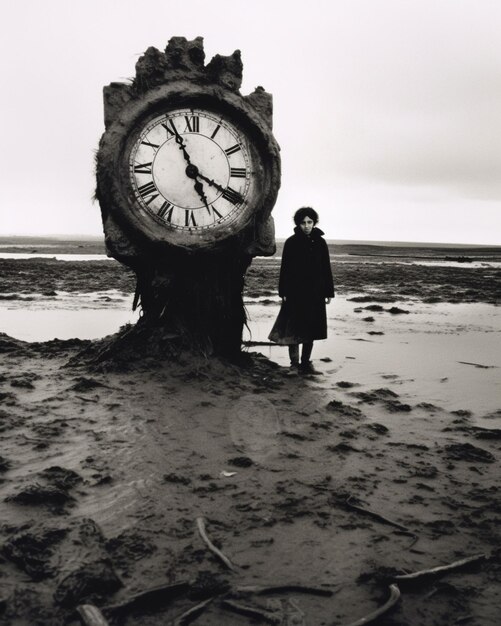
{"points": [[180, 142], [191, 170], [199, 188]]}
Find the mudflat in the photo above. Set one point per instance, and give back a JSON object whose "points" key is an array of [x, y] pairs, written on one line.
{"points": [[183, 487]]}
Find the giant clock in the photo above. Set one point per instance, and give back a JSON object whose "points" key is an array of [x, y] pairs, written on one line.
{"points": [[188, 162], [188, 172]]}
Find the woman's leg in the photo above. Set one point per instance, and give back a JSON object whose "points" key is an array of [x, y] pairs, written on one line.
{"points": [[294, 354], [306, 352], [306, 366]]}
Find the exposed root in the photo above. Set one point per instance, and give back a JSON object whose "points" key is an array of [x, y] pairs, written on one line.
{"points": [[191, 614], [251, 611], [387, 606], [407, 533], [485, 367], [314, 591], [224, 559], [376, 516], [157, 596], [435, 572], [90, 615]]}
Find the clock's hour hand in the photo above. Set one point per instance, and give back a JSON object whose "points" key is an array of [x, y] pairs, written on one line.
{"points": [[236, 196]]}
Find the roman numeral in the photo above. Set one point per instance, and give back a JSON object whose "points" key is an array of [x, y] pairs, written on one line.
{"points": [[215, 131], [238, 172], [148, 189], [233, 149], [169, 130], [165, 211], [142, 168], [232, 196], [152, 145], [189, 218], [192, 123]]}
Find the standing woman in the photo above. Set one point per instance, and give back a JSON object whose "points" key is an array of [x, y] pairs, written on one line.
{"points": [[305, 287]]}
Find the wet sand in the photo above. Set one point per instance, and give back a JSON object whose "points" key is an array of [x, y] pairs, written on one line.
{"points": [[382, 466]]}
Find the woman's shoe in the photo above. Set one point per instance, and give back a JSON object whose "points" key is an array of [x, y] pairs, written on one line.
{"points": [[307, 368], [293, 369]]}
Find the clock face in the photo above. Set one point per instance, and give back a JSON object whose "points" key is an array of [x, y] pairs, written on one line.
{"points": [[192, 171]]}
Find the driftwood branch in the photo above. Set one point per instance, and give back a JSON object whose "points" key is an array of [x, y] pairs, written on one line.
{"points": [[376, 516], [224, 559], [485, 367], [157, 596], [90, 615], [389, 604], [293, 588], [191, 614], [435, 572], [251, 611]]}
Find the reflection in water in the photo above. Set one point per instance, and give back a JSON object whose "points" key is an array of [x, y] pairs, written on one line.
{"points": [[425, 349], [254, 426], [58, 257]]}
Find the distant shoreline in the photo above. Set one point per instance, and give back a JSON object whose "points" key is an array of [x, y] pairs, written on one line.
{"points": [[75, 240]]}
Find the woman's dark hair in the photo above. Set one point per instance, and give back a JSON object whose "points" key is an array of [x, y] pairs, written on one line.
{"points": [[303, 212]]}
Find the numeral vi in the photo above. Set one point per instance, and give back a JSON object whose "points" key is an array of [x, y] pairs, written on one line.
{"points": [[189, 218]]}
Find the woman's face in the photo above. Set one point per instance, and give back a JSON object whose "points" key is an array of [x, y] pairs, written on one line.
{"points": [[307, 225]]}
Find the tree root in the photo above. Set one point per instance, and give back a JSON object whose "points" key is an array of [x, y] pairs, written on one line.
{"points": [[408, 533], [157, 596], [191, 614], [314, 591], [387, 606], [224, 559], [435, 572], [90, 615], [251, 611], [376, 516]]}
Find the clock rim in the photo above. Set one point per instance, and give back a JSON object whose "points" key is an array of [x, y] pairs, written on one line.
{"points": [[114, 189]]}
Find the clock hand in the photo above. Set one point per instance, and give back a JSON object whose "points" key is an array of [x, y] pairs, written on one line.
{"points": [[211, 182], [199, 188], [180, 142], [192, 172], [219, 187]]}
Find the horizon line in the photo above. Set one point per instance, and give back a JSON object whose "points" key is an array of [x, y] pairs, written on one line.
{"points": [[83, 237]]}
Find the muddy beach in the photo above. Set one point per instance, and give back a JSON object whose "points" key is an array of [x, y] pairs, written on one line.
{"points": [[119, 475]]}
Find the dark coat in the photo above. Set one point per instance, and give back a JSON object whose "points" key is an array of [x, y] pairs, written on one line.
{"points": [[305, 282]]}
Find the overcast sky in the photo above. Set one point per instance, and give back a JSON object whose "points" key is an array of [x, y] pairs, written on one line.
{"points": [[387, 111]]}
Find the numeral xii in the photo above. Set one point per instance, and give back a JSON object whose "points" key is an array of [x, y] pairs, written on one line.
{"points": [[192, 123]]}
